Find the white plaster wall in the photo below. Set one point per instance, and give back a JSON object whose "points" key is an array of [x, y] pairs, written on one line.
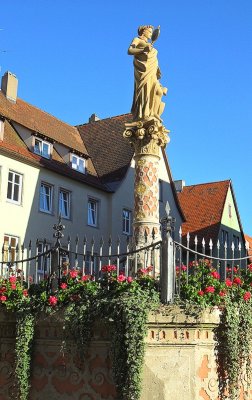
{"points": [[28, 223]]}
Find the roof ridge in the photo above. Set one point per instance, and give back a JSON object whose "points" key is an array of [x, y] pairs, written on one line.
{"points": [[208, 183], [103, 119]]}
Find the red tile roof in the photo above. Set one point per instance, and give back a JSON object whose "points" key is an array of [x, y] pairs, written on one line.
{"points": [[40, 121], [13, 146], [109, 150], [203, 207], [249, 240]]}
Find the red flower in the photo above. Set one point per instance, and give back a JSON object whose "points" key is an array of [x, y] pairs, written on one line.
{"points": [[25, 292], [215, 275], [12, 279], [13, 286], [200, 293], [209, 289], [3, 298], [73, 274], [237, 280], [247, 296], [121, 278], [3, 289], [63, 285], [108, 268], [250, 267], [53, 300], [228, 282], [149, 268], [183, 267], [222, 293], [129, 279], [85, 278]]}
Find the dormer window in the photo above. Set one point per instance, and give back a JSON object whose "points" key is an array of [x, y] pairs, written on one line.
{"points": [[42, 148], [78, 163]]}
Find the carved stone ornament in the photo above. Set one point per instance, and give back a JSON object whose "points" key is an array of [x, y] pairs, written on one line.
{"points": [[146, 137]]}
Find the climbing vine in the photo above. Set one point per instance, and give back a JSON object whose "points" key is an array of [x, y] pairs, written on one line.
{"points": [[23, 350]]}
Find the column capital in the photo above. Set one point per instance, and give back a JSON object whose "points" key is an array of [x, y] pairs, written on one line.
{"points": [[146, 136]]}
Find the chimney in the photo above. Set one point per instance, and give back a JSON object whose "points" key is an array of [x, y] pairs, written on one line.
{"points": [[9, 86], [93, 118], [179, 185]]}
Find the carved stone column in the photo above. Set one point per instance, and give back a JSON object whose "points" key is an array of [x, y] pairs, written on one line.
{"points": [[147, 138]]}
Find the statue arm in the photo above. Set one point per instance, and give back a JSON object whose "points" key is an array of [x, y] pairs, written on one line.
{"points": [[134, 50]]}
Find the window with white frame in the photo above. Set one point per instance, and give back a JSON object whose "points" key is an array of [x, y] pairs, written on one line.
{"points": [[9, 248], [42, 148], [14, 189], [64, 203], [78, 163], [45, 197], [126, 221], [92, 212], [44, 261]]}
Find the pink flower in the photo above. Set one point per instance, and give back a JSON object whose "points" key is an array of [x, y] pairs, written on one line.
{"points": [[85, 278], [228, 282], [209, 289], [13, 286], [129, 279], [247, 296], [183, 267], [53, 300], [237, 280], [121, 278], [12, 279], [200, 293], [3, 298], [73, 274], [63, 285], [25, 292], [222, 293], [143, 271], [215, 275], [149, 268]]}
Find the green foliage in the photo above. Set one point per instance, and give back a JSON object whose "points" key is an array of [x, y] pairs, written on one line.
{"points": [[201, 285], [123, 303], [23, 350]]}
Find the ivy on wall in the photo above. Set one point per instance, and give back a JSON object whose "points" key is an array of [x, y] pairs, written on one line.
{"points": [[123, 304]]}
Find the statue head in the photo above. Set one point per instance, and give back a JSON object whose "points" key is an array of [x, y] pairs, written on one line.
{"points": [[145, 30]]}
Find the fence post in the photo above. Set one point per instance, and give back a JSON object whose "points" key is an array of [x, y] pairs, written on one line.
{"points": [[56, 256], [167, 260]]}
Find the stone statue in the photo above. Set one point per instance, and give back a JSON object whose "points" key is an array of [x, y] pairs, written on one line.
{"points": [[148, 91]]}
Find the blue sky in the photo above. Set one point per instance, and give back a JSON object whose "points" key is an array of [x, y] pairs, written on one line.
{"points": [[71, 60]]}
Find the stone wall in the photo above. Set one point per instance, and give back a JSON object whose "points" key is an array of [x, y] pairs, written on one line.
{"points": [[179, 361]]}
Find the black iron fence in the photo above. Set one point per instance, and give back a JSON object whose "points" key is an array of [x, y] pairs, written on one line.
{"points": [[41, 260]]}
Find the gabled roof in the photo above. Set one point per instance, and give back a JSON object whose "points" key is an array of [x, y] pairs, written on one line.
{"points": [[13, 146], [41, 122], [109, 150], [203, 206]]}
